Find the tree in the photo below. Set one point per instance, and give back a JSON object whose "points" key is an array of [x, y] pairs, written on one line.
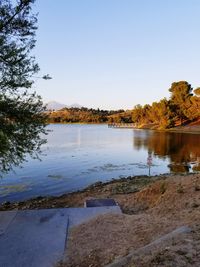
{"points": [[183, 105], [197, 91], [137, 114], [181, 93], [194, 109], [22, 119], [160, 114]]}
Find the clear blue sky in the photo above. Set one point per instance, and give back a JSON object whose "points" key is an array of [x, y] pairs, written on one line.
{"points": [[116, 53]]}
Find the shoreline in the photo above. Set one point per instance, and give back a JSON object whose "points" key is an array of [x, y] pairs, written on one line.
{"points": [[152, 207], [180, 129], [93, 190], [116, 188]]}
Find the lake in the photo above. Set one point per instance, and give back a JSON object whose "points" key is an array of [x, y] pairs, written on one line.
{"points": [[76, 156]]}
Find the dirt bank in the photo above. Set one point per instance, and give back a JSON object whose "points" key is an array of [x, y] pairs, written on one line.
{"points": [[119, 189], [157, 209], [192, 127]]}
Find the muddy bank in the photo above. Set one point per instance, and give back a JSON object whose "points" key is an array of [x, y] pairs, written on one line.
{"points": [[188, 128], [119, 189]]}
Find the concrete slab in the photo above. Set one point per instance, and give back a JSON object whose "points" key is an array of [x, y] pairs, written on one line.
{"points": [[80, 215], [5, 219], [37, 238], [34, 238]]}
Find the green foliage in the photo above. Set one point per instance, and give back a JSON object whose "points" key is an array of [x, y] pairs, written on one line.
{"points": [[180, 101], [22, 118], [182, 106], [86, 115]]}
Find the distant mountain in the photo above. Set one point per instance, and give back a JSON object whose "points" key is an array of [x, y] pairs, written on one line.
{"points": [[53, 105]]}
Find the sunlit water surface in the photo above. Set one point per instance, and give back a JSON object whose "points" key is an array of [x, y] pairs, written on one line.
{"points": [[78, 155]]}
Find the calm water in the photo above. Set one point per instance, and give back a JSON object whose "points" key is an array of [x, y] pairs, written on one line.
{"points": [[78, 155]]}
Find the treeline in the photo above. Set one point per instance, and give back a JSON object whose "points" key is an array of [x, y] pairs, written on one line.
{"points": [[86, 115], [182, 107]]}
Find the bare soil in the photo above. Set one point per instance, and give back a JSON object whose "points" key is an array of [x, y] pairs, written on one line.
{"points": [[157, 209]]}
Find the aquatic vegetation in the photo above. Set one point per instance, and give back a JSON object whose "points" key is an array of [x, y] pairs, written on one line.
{"points": [[13, 188], [55, 176]]}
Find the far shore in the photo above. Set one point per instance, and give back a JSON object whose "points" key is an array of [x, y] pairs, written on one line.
{"points": [[190, 128], [187, 129]]}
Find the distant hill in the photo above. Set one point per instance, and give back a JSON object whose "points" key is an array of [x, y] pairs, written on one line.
{"points": [[53, 105], [88, 115]]}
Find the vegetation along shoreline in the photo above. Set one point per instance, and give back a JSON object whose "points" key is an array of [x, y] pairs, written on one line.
{"points": [[181, 109]]}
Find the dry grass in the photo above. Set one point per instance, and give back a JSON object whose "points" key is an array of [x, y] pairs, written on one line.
{"points": [[106, 237]]}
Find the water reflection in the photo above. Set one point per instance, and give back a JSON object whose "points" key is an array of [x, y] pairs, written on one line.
{"points": [[149, 161], [181, 149], [79, 155]]}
